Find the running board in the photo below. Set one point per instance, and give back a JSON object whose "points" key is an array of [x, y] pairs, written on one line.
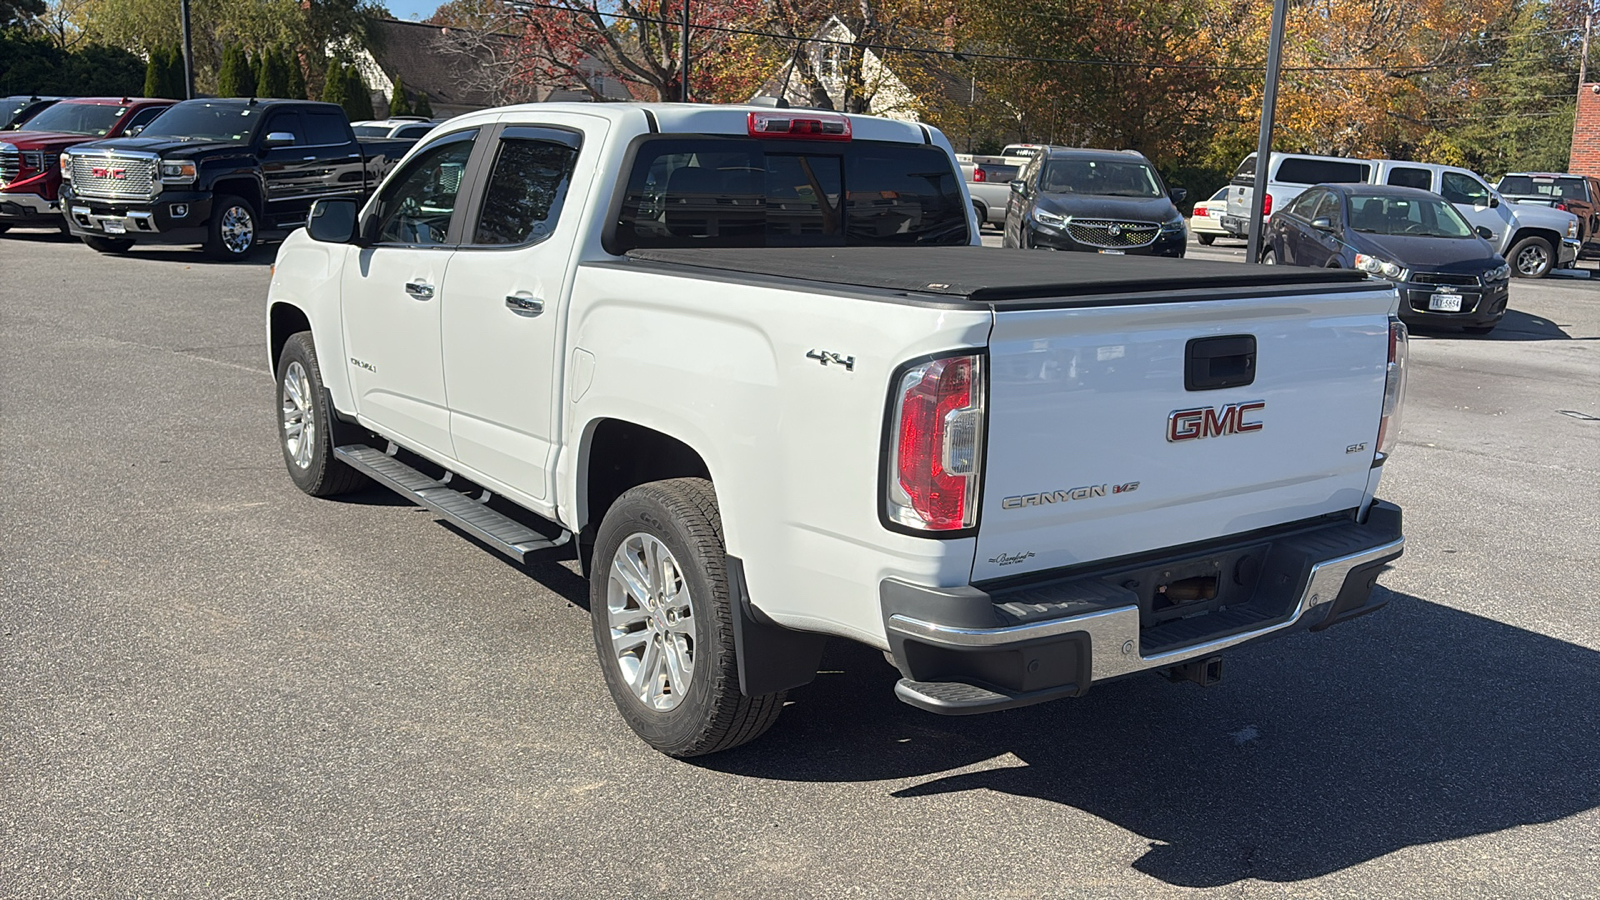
{"points": [[496, 529]]}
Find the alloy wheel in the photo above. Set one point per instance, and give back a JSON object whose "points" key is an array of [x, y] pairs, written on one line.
{"points": [[238, 229], [652, 621], [299, 415], [1532, 259]]}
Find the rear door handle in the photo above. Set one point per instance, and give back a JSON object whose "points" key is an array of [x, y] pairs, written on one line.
{"points": [[524, 304], [419, 290]]}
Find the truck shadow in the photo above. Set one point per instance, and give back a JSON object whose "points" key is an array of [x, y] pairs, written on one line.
{"points": [[1516, 326], [1418, 724]]}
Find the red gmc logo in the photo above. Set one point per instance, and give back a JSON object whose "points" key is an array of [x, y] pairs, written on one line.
{"points": [[103, 172], [1205, 422]]}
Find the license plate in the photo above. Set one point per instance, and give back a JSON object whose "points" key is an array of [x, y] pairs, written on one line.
{"points": [[1445, 303], [111, 227], [1115, 252]]}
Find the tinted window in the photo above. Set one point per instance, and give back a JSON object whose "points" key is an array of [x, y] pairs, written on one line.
{"points": [[1563, 188], [1422, 216], [370, 131], [326, 128], [1459, 188], [414, 131], [416, 205], [143, 117], [1296, 170], [1301, 206], [526, 190], [1412, 178], [205, 121], [1247, 169], [707, 192], [1327, 208], [284, 121], [78, 118]]}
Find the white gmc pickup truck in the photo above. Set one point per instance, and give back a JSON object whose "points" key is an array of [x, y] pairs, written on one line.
{"points": [[747, 367]]}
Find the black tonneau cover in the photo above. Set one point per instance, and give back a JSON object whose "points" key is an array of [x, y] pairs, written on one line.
{"points": [[983, 274]]}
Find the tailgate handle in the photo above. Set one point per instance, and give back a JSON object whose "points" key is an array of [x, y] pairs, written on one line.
{"points": [[1224, 361]]}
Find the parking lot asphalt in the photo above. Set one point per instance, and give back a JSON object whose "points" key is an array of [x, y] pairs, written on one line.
{"points": [[212, 685]]}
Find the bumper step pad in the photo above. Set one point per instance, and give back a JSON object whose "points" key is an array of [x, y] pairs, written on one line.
{"points": [[954, 698], [494, 528]]}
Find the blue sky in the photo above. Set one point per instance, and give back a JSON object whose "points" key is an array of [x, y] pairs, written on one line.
{"points": [[412, 9]]}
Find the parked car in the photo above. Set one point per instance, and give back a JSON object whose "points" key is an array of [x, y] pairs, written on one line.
{"points": [[1035, 472], [226, 174], [1025, 151], [1287, 175], [30, 171], [1110, 201], [1206, 223], [1576, 194], [989, 185], [1445, 270], [15, 111], [1534, 239], [405, 128]]}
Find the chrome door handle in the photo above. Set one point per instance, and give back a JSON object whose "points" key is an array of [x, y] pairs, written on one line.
{"points": [[419, 291], [524, 304]]}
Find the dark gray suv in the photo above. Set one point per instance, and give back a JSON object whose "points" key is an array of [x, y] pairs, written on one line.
{"points": [[1106, 201]]}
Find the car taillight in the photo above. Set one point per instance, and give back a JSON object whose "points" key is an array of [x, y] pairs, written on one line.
{"points": [[980, 175], [1266, 205], [807, 125], [1201, 211], [935, 459], [1394, 391], [1562, 207]]}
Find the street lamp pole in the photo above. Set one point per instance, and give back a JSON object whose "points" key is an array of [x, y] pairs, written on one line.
{"points": [[685, 51], [1269, 104], [188, 52]]}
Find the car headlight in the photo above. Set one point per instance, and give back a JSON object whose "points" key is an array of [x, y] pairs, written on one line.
{"points": [[1572, 228], [1049, 219], [1500, 273], [1174, 226], [1375, 266], [179, 171], [66, 167]]}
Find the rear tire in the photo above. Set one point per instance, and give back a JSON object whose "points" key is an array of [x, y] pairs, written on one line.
{"points": [[108, 245], [1269, 257], [306, 424], [663, 627], [1206, 239], [232, 232], [1532, 257]]}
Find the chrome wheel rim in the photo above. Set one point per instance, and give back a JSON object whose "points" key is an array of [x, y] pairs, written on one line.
{"points": [[299, 416], [1532, 259], [652, 622], [238, 229]]}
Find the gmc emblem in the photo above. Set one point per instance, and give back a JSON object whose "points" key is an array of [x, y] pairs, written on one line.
{"points": [[1205, 422], [103, 172]]}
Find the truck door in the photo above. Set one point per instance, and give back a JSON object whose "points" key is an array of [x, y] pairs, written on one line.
{"points": [[393, 291], [337, 167], [504, 316], [285, 167], [1473, 199]]}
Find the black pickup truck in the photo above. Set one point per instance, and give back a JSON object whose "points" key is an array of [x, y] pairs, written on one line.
{"points": [[226, 174]]}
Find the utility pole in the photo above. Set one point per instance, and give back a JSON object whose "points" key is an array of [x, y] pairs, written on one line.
{"points": [[1269, 104], [188, 52], [685, 56], [1583, 56]]}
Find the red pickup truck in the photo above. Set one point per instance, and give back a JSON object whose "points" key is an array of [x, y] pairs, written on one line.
{"points": [[30, 168]]}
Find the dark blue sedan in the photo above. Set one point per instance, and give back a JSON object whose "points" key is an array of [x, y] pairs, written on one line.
{"points": [[1447, 273]]}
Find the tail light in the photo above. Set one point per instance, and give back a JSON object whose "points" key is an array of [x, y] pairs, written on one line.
{"points": [[980, 175], [1266, 205], [807, 125], [935, 458], [1201, 211], [1394, 391], [1562, 207]]}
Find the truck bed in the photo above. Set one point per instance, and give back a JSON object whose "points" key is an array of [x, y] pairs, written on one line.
{"points": [[1003, 276]]}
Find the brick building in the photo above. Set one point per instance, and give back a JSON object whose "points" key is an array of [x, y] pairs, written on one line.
{"points": [[1586, 132]]}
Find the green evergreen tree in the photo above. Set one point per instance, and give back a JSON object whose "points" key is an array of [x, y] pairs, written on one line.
{"points": [[230, 78], [263, 76], [296, 89], [398, 105], [175, 79], [155, 73], [333, 84], [247, 76], [358, 100], [422, 107], [272, 75]]}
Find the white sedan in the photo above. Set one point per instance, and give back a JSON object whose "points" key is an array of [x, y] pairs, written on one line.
{"points": [[1206, 223]]}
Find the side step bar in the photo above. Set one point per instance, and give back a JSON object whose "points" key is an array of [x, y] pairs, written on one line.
{"points": [[499, 531]]}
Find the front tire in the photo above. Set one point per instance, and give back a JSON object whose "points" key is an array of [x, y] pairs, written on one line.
{"points": [[305, 424], [232, 232], [663, 626], [1532, 257], [1269, 257], [1206, 240], [108, 245]]}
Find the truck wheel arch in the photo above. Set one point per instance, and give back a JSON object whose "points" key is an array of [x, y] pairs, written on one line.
{"points": [[618, 455], [284, 319], [244, 188]]}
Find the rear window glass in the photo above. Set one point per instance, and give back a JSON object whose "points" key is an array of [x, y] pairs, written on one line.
{"points": [[1558, 188], [1411, 178], [1321, 171], [1247, 169], [700, 192]]}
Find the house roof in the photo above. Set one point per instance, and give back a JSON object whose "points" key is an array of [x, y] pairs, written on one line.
{"points": [[411, 50]]}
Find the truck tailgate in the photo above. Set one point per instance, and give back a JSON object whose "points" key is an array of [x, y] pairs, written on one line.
{"points": [[1098, 449]]}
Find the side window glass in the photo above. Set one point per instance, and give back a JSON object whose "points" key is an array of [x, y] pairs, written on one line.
{"points": [[1411, 178], [1327, 208], [325, 128], [416, 205], [143, 117], [1458, 188], [527, 187], [1300, 207], [284, 121]]}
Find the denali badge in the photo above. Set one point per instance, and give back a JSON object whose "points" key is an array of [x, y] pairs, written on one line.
{"points": [[1078, 493], [1204, 422]]}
